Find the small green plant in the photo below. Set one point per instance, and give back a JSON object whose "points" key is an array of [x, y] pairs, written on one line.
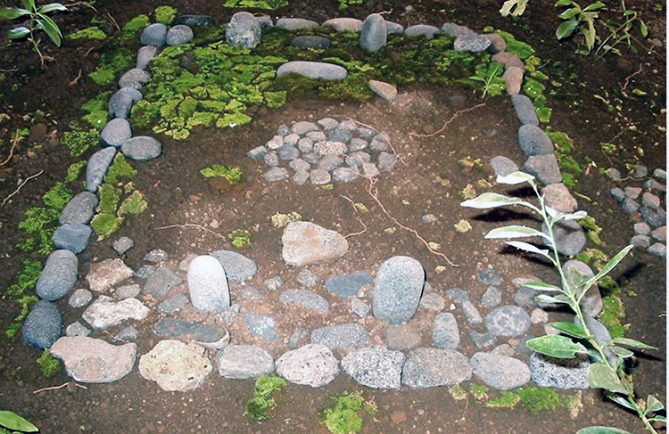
{"points": [[344, 417], [263, 401], [120, 170], [49, 365], [479, 391], [280, 220], [165, 14], [74, 171], [344, 4], [607, 370], [491, 78], [92, 33], [11, 422], [134, 204], [240, 238], [258, 4], [20, 292], [580, 20], [231, 174], [506, 400], [620, 32], [38, 19]]}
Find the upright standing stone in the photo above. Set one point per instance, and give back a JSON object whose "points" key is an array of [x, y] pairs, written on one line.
{"points": [[243, 31], [397, 289], [374, 34], [208, 285]]}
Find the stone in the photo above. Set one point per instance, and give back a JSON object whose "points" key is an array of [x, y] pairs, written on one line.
{"points": [[642, 241], [660, 233], [394, 28], [481, 340], [116, 132], [385, 91], [142, 148], [299, 165], [524, 297], [457, 295], [471, 42], [257, 153], [508, 321], [358, 159], [369, 170], [386, 161], [545, 168], [654, 217], [397, 289], [251, 293], [58, 276], [525, 110], [179, 34], [303, 127], [650, 200], [429, 218], [209, 336], [77, 329], [503, 166], [265, 22], [614, 174], [80, 298], [632, 192], [43, 325], [89, 360], [329, 163], [376, 367], [344, 174], [491, 298], [80, 209], [305, 145], [341, 336], [344, 24], [374, 33], [134, 78], [558, 197], [432, 301], [471, 313], [276, 174], [127, 334], [569, 236], [294, 24], [357, 144], [313, 70], [300, 177], [509, 60], [499, 371], [160, 282], [421, 31], [122, 245], [576, 272], [144, 271], [97, 166], [156, 256], [497, 43], [307, 278], [445, 331], [241, 362], [127, 291], [271, 159], [534, 141], [305, 299], [401, 337], [292, 139], [490, 276], [641, 228], [275, 142], [238, 268], [173, 304], [311, 157], [306, 243], [432, 367], [144, 55], [154, 34], [618, 194], [359, 308], [243, 31], [640, 171], [513, 78], [559, 373], [72, 236], [261, 326], [310, 365], [380, 143], [122, 101], [176, 366], [539, 316], [296, 338], [310, 42], [208, 285], [288, 153], [453, 30], [328, 123], [105, 312], [339, 134], [658, 249]]}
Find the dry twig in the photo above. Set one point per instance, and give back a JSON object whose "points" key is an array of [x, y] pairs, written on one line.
{"points": [[415, 135], [15, 192], [355, 234], [75, 80], [631, 76], [192, 226], [45, 389], [15, 142]]}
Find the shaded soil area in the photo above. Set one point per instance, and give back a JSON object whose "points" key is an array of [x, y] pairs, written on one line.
{"points": [[427, 180]]}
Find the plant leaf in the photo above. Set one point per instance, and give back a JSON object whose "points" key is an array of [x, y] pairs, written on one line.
{"points": [[29, 4], [621, 351], [547, 299], [13, 421], [542, 286], [560, 347], [514, 178], [575, 216], [653, 405], [620, 400], [601, 430], [643, 29], [51, 29], [566, 29], [633, 343], [570, 13], [52, 7], [608, 267], [528, 248], [563, 3], [18, 33], [594, 6], [491, 200], [513, 231], [658, 419], [600, 376], [12, 13], [569, 328]]}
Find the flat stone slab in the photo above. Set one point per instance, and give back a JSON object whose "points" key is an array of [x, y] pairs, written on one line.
{"points": [[305, 299], [341, 336], [161, 281], [344, 24], [559, 373], [105, 312], [500, 371], [142, 148], [377, 367], [347, 285], [431, 367], [313, 70], [238, 267], [116, 132], [58, 276], [306, 243], [176, 366], [311, 365], [206, 335], [240, 362], [508, 321], [89, 360]]}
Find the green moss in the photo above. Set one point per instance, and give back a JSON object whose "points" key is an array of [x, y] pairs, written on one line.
{"points": [[79, 141], [96, 110], [564, 148], [106, 224], [92, 33], [506, 400], [240, 238], [144, 113], [57, 196], [39, 222], [134, 204], [136, 25], [120, 170], [18, 292], [74, 171], [593, 230], [275, 99], [344, 4], [257, 4], [165, 14], [263, 401], [344, 417], [613, 314], [593, 257], [479, 391], [457, 392], [112, 63], [280, 220], [515, 46], [49, 365], [231, 174], [538, 399], [109, 198]]}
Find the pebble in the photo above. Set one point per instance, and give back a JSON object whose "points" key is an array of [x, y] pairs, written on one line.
{"points": [[154, 34], [654, 217], [306, 243], [401, 337], [116, 132], [238, 268], [344, 174], [432, 367], [176, 366], [640, 171], [104, 275], [471, 313], [658, 249], [539, 316], [445, 331], [97, 167], [329, 163], [209, 336], [481, 340], [513, 78], [296, 338], [243, 31], [453, 30], [641, 241], [173, 304], [208, 284], [490, 276], [274, 283], [127, 334], [142, 148], [80, 298], [347, 285], [313, 70], [294, 24], [497, 43], [558, 197], [344, 24], [241, 362], [503, 166], [160, 282], [271, 159], [134, 78], [397, 290], [179, 34], [499, 371], [80, 209], [386, 161], [394, 28], [89, 360], [127, 291], [432, 301], [359, 308], [144, 55], [310, 42], [262, 326], [525, 110], [257, 153], [509, 60], [58, 276], [341, 336], [534, 141], [618, 194], [77, 329], [374, 33], [507, 321], [385, 91], [122, 245], [72, 236], [457, 295], [305, 145], [288, 153], [421, 30], [491, 298], [122, 101], [471, 42], [660, 233], [276, 174], [310, 365], [559, 373], [376, 367], [305, 299], [105, 312], [569, 236], [42, 326]]}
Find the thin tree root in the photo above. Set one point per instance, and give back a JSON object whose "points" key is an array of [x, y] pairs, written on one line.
{"points": [[45, 389], [15, 192], [415, 135]]}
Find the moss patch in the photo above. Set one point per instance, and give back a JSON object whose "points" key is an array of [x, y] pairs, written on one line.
{"points": [[134, 204], [165, 14], [97, 113], [136, 25], [78, 141], [74, 171], [506, 400], [105, 224], [49, 365], [93, 33], [112, 64], [257, 4], [231, 174], [240, 238], [564, 149], [263, 401], [538, 399], [479, 391], [19, 292], [345, 416]]}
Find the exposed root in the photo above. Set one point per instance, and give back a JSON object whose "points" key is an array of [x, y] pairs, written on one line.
{"points": [[15, 192], [75, 80], [415, 135], [192, 226], [15, 142], [355, 234], [630, 77], [45, 389]]}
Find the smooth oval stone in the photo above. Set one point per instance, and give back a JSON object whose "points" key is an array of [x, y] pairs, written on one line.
{"points": [[116, 132], [311, 365], [97, 166], [497, 43], [142, 148], [508, 321], [454, 30], [293, 24], [305, 299], [525, 110], [421, 30], [394, 28], [344, 24], [378, 367], [238, 267], [534, 141], [179, 34], [499, 371], [208, 285], [313, 70], [80, 209], [398, 286], [122, 101], [144, 56], [307, 42], [244, 361], [374, 33], [72, 236], [243, 31], [544, 167], [43, 325], [154, 34], [134, 78], [195, 20], [58, 276], [503, 166], [341, 336]]}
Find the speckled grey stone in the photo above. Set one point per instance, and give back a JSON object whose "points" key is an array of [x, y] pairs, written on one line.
{"points": [[453, 30], [77, 329], [658, 249], [207, 335], [179, 34], [288, 153], [305, 145], [345, 174], [310, 365], [238, 267], [276, 174], [305, 299], [80, 298], [154, 34], [341, 336], [432, 301], [359, 308], [374, 33], [328, 123], [394, 28], [471, 42], [134, 78], [432, 367], [97, 168], [122, 101], [257, 153], [471, 313], [544, 167], [261, 326], [397, 289], [142, 148], [357, 144], [445, 331], [347, 285], [654, 217], [243, 31], [294, 24], [116, 132], [173, 304], [491, 298], [377, 367], [127, 291], [43, 325], [559, 373], [122, 245], [386, 161], [508, 321], [320, 177], [329, 163], [421, 31], [534, 141], [357, 159], [80, 209], [344, 24], [525, 110], [244, 361], [300, 177], [58, 276], [72, 236], [499, 371], [481, 340], [310, 42], [313, 70], [457, 295], [144, 56]]}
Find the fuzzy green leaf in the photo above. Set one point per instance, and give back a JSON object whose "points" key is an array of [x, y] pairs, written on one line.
{"points": [[569, 328], [601, 430], [632, 343], [608, 267], [12, 421], [542, 286], [13, 13], [515, 178], [560, 347], [513, 231], [491, 200], [528, 248], [547, 299], [653, 405], [621, 352], [620, 400], [570, 13], [601, 376]]}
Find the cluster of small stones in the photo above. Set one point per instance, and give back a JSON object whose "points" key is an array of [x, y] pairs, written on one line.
{"points": [[392, 297], [644, 205], [325, 151]]}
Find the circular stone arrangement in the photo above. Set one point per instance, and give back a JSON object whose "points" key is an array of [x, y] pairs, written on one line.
{"points": [[208, 301]]}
